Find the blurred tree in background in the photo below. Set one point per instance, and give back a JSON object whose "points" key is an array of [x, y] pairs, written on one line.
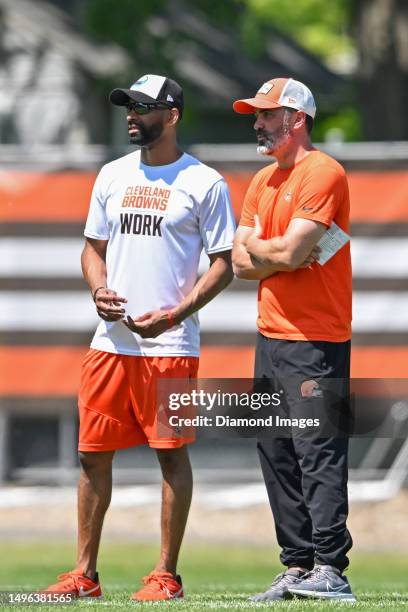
{"points": [[381, 32], [366, 41], [320, 26]]}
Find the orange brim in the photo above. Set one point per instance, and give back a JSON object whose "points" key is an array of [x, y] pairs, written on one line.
{"points": [[247, 106]]}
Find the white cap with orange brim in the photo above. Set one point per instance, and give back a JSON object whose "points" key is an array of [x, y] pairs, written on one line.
{"points": [[277, 93]]}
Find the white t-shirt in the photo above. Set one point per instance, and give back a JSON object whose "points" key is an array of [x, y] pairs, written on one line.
{"points": [[157, 220]]}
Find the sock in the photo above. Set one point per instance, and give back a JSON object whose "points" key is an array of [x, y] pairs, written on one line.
{"points": [[296, 572]]}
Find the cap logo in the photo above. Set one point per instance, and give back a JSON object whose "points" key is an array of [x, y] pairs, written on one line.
{"points": [[292, 100], [266, 88], [149, 85], [141, 81], [169, 98]]}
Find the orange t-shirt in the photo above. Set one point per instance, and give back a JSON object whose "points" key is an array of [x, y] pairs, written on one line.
{"points": [[312, 303]]}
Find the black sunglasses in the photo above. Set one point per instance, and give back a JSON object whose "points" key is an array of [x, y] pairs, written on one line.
{"points": [[142, 108]]}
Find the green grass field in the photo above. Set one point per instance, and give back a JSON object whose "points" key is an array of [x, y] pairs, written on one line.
{"points": [[215, 577]]}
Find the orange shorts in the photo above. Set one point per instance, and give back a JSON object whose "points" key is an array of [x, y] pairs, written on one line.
{"points": [[117, 399]]}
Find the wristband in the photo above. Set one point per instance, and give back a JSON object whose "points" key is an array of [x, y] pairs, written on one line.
{"points": [[96, 291], [170, 319]]}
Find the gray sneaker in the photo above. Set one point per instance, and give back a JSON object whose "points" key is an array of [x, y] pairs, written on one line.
{"points": [[323, 582], [279, 587]]}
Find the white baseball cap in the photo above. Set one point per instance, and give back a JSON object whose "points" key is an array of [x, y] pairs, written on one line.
{"points": [[277, 93]]}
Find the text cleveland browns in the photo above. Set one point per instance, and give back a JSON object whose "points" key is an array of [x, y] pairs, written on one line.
{"points": [[145, 196]]}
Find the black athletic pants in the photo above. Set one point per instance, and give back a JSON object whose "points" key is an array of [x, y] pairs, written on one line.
{"points": [[305, 474]]}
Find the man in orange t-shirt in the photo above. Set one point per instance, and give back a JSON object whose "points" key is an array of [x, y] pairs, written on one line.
{"points": [[304, 323]]}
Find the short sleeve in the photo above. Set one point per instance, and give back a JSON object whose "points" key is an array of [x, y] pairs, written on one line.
{"points": [[97, 223], [320, 195], [250, 205], [216, 222]]}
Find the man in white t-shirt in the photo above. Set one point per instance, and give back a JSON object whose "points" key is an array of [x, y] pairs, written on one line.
{"points": [[151, 214]]}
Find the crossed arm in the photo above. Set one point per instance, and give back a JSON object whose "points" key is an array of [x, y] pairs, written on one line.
{"points": [[255, 259], [109, 304]]}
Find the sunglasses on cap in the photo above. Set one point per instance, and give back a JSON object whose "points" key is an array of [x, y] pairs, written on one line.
{"points": [[142, 108]]}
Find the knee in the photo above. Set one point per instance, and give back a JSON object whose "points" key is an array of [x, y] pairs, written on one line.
{"points": [[95, 461], [173, 460]]}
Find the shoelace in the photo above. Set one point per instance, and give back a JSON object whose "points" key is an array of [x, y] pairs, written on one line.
{"points": [[283, 578], [74, 578], [316, 575], [153, 579]]}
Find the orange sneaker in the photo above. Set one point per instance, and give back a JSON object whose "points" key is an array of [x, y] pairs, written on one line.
{"points": [[77, 584], [159, 585]]}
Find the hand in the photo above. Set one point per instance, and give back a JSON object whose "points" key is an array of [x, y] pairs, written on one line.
{"points": [[255, 236], [109, 305], [150, 324], [312, 257]]}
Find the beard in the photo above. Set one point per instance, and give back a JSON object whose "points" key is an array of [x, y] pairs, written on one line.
{"points": [[147, 134], [269, 142]]}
